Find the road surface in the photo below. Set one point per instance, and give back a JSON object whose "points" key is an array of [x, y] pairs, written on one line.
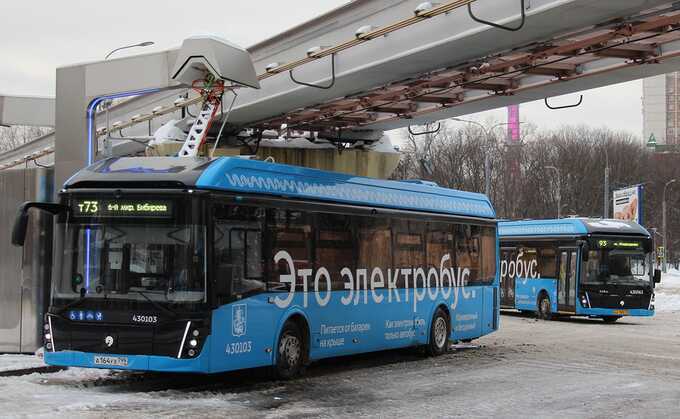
{"points": [[565, 368]]}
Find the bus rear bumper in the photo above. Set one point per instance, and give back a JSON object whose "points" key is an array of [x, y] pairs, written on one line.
{"points": [[128, 362], [599, 312]]}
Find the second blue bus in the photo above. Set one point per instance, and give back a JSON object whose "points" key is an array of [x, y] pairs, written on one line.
{"points": [[577, 267]]}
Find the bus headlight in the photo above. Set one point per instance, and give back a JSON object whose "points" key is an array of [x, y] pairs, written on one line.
{"points": [[48, 336], [191, 344]]}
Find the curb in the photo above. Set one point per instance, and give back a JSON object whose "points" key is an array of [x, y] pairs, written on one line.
{"points": [[27, 371]]}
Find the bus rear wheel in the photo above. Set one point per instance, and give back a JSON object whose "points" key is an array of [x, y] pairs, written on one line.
{"points": [[610, 319], [290, 352], [544, 311], [440, 329]]}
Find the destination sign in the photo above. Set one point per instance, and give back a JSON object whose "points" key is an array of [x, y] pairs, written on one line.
{"points": [[122, 208], [618, 244]]}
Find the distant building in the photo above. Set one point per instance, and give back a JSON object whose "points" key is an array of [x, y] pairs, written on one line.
{"points": [[661, 110]]}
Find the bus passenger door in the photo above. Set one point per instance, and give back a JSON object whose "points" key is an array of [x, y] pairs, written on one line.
{"points": [[566, 284], [507, 282]]}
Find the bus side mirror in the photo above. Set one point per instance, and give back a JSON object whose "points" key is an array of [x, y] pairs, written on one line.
{"points": [[21, 220], [657, 276], [585, 252], [20, 227]]}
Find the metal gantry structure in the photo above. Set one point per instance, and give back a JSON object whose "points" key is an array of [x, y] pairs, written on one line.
{"points": [[540, 49]]}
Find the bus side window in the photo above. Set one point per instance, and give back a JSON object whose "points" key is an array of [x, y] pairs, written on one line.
{"points": [[547, 262], [290, 231], [238, 248], [409, 249], [488, 238], [438, 243], [335, 247], [467, 245], [375, 245]]}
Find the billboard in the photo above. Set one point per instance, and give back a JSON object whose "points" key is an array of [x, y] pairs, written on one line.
{"points": [[513, 124], [628, 204]]}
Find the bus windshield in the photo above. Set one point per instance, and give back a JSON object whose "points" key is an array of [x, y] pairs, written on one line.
{"points": [[626, 267], [122, 260]]}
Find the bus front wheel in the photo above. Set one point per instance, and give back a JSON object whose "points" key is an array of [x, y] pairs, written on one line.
{"points": [[440, 329], [290, 352], [544, 311]]}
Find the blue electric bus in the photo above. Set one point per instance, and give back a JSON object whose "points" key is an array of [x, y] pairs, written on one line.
{"points": [[577, 267], [212, 265]]}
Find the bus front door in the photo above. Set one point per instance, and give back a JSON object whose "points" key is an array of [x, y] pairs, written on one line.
{"points": [[566, 284]]}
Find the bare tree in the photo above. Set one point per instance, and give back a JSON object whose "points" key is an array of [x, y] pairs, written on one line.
{"points": [[14, 136], [521, 185]]}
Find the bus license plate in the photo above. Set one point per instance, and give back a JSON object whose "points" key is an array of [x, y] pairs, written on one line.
{"points": [[111, 361], [621, 312]]}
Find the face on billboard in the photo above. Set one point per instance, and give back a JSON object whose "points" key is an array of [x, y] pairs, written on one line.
{"points": [[627, 204]]}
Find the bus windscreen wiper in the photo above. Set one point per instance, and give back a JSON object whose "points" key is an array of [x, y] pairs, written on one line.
{"points": [[83, 296], [155, 303]]}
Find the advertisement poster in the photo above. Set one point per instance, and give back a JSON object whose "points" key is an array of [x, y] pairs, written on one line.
{"points": [[628, 204]]}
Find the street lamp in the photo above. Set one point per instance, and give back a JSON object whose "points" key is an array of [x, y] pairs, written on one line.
{"points": [[141, 44], [559, 191], [665, 231], [487, 158], [106, 104]]}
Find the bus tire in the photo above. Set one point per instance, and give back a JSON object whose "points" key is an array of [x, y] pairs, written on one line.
{"points": [[610, 319], [440, 330], [544, 311], [290, 352]]}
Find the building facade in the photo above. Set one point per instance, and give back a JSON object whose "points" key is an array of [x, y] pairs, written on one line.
{"points": [[661, 109]]}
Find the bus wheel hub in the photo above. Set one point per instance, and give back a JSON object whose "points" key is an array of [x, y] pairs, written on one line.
{"points": [[440, 332], [290, 349]]}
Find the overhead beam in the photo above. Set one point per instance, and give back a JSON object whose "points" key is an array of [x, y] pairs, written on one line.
{"points": [[27, 110]]}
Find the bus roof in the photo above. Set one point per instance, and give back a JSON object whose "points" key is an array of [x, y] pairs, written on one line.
{"points": [[569, 227], [252, 176]]}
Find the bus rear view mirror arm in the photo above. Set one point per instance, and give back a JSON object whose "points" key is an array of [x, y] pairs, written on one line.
{"points": [[21, 220]]}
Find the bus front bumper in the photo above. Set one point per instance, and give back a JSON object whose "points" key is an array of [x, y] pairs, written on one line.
{"points": [[129, 362], [600, 312]]}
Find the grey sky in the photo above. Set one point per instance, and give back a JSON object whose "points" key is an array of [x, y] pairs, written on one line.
{"points": [[38, 36]]}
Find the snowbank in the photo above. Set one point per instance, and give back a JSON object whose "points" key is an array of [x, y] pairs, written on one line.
{"points": [[668, 292]]}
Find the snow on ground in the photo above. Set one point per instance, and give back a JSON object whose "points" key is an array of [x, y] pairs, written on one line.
{"points": [[668, 292], [19, 362], [581, 368]]}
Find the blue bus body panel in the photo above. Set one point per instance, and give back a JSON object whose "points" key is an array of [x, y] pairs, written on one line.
{"points": [[528, 289], [338, 329], [250, 176], [245, 333]]}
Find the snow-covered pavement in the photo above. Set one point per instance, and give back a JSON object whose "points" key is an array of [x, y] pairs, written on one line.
{"points": [[668, 292], [19, 362], [567, 368]]}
